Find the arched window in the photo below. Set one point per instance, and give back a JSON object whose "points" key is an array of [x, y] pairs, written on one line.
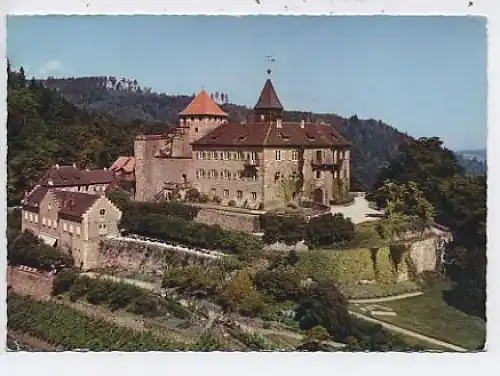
{"points": [[102, 212]]}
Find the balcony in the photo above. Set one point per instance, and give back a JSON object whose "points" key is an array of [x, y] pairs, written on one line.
{"points": [[325, 164], [252, 163]]}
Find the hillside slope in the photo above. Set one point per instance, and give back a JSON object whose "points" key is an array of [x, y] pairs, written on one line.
{"points": [[373, 141]]}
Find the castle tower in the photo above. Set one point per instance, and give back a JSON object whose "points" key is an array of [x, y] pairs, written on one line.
{"points": [[268, 107], [199, 118]]}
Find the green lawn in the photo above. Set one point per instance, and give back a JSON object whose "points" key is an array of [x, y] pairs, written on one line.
{"points": [[430, 315]]}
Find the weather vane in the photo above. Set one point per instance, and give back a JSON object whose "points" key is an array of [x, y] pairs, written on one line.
{"points": [[270, 59]]}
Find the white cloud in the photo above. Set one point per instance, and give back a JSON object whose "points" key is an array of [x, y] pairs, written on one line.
{"points": [[50, 66]]}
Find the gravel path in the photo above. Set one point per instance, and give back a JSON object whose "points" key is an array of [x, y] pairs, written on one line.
{"points": [[387, 299], [359, 211]]}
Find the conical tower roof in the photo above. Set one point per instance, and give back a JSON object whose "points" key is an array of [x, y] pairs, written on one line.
{"points": [[202, 104], [268, 98]]}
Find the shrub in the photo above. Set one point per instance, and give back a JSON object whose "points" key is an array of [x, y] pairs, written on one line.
{"points": [[285, 228], [327, 229], [79, 288], [145, 305], [64, 280], [217, 200], [192, 195], [231, 203], [98, 292], [29, 250], [181, 210]]}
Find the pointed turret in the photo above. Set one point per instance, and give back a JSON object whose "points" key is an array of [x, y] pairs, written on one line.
{"points": [[203, 105], [268, 107]]}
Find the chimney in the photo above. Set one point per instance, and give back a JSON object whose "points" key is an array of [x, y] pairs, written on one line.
{"points": [[279, 123], [302, 124]]}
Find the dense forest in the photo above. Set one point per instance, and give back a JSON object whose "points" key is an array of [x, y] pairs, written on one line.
{"points": [[43, 129]]}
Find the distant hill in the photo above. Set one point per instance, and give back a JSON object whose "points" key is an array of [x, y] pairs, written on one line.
{"points": [[474, 161], [374, 142]]}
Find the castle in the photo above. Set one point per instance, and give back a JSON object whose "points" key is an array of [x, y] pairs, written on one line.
{"points": [[252, 164]]}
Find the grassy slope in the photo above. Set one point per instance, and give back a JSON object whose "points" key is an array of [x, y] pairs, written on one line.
{"points": [[430, 315]]}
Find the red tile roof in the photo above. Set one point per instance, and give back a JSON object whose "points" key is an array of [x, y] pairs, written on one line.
{"points": [[269, 134], [72, 205], [65, 176], [32, 201], [202, 104], [268, 97], [127, 164]]}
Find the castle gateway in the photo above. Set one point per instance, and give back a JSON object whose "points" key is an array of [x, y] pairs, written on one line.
{"points": [[253, 164]]}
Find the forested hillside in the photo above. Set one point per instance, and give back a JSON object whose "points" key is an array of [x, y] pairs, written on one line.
{"points": [[373, 141], [44, 129]]}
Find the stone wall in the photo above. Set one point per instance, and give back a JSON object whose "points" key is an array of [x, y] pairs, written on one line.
{"points": [[30, 282], [229, 220], [131, 256], [426, 254]]}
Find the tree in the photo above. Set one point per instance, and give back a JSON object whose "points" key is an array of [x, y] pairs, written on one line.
{"points": [[325, 306]]}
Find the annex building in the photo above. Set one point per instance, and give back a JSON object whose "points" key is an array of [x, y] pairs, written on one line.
{"points": [[242, 164], [68, 209]]}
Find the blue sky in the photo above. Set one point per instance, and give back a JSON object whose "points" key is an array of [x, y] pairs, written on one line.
{"points": [[424, 75]]}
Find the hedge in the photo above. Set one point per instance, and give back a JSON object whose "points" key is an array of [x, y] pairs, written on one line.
{"points": [[192, 234]]}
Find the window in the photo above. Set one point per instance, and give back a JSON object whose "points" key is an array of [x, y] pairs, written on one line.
{"points": [[318, 174], [214, 174], [78, 230], [227, 174], [36, 218], [202, 173], [196, 129], [253, 156], [70, 229], [216, 155], [235, 175], [226, 192], [65, 227], [87, 188], [209, 174], [209, 155], [102, 212], [49, 206], [319, 155], [26, 215], [226, 155], [295, 155], [277, 177], [49, 222], [241, 156], [278, 155], [239, 194], [102, 229], [54, 223], [43, 221], [31, 217], [254, 196], [204, 155]]}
